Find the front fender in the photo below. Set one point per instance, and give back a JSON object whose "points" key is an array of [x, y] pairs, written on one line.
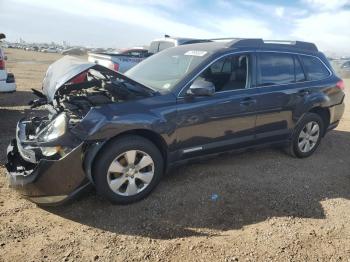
{"points": [[91, 150], [108, 121], [112, 127]]}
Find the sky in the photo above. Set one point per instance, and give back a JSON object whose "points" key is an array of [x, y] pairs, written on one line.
{"points": [[127, 23]]}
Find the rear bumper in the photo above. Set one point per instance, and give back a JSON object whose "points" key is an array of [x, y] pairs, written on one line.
{"points": [[7, 87], [335, 114], [49, 182], [8, 84]]}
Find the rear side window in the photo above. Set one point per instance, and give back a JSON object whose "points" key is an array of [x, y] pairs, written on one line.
{"points": [[314, 68], [274, 69]]}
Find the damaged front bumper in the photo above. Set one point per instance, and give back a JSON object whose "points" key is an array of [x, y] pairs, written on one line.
{"points": [[47, 181]]}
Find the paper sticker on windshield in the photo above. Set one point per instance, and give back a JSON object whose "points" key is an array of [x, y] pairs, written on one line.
{"points": [[196, 53]]}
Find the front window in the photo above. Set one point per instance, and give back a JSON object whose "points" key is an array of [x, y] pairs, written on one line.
{"points": [[164, 70], [228, 73]]}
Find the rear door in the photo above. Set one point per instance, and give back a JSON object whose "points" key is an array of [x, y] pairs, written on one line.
{"points": [[280, 81]]}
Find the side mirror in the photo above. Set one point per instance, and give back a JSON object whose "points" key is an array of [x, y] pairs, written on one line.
{"points": [[5, 57], [200, 87]]}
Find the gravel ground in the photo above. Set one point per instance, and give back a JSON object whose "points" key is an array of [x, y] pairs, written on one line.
{"points": [[269, 206]]}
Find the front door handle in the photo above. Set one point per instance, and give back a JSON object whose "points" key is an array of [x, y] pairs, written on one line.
{"points": [[248, 101], [303, 92]]}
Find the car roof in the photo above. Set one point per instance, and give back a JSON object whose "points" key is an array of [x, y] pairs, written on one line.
{"points": [[236, 44]]}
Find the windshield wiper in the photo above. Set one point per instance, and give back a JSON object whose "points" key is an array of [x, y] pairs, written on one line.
{"points": [[134, 87]]}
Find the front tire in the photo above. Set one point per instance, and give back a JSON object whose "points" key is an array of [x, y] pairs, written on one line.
{"points": [[127, 169], [307, 136]]}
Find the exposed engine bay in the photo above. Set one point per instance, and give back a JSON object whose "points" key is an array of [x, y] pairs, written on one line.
{"points": [[70, 89], [87, 90]]}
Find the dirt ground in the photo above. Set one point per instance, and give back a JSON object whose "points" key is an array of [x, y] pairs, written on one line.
{"points": [[269, 206]]}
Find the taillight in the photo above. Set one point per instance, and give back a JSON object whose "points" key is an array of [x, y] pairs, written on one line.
{"points": [[79, 79], [116, 67], [341, 85], [2, 64]]}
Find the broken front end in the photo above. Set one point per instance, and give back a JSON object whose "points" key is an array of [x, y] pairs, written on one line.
{"points": [[46, 167], [48, 158]]}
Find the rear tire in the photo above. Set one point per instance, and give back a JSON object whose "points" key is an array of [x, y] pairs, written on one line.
{"points": [[306, 136], [127, 169]]}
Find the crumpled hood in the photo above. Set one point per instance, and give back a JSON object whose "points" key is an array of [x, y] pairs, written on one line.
{"points": [[61, 72], [68, 67]]}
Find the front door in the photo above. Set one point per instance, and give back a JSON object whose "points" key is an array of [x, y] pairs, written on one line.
{"points": [[206, 124]]}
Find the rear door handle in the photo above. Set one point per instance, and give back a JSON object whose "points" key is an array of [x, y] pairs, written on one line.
{"points": [[248, 101]]}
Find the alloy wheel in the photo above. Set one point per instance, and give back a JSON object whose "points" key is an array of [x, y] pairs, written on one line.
{"points": [[309, 137], [130, 173]]}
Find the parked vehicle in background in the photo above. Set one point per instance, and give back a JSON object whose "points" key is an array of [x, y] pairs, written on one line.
{"points": [[127, 59], [7, 80], [346, 65], [122, 61], [161, 44], [74, 51], [120, 133], [31, 48], [50, 50]]}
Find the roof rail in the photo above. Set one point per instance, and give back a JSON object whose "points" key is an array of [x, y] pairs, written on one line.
{"points": [[224, 39], [297, 44], [260, 43]]}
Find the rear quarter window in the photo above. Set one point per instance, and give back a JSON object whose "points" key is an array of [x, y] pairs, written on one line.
{"points": [[299, 73], [314, 68]]}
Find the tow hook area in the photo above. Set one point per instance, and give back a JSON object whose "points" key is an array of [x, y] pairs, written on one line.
{"points": [[16, 164], [49, 182]]}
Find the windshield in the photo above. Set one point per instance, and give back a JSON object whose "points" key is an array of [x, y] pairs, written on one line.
{"points": [[164, 70]]}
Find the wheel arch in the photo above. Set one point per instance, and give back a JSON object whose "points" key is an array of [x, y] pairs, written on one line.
{"points": [[324, 113], [93, 149]]}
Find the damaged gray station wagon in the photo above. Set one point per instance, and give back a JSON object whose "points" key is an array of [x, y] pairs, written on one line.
{"points": [[120, 133]]}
